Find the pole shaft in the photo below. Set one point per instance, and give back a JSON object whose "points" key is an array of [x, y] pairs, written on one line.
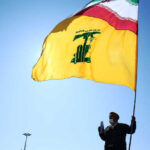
{"points": [[25, 143], [131, 123], [135, 96]]}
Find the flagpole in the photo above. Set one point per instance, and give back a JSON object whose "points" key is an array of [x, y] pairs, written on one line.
{"points": [[135, 97], [131, 122]]}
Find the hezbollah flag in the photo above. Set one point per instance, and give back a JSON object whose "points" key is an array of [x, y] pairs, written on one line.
{"points": [[98, 43]]}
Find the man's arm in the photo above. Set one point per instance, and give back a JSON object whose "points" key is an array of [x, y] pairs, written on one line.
{"points": [[130, 129], [101, 133], [133, 125]]}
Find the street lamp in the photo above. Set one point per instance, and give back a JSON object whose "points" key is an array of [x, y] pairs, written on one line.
{"points": [[26, 135]]}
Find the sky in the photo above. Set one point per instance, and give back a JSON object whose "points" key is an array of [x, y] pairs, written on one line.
{"points": [[61, 114]]}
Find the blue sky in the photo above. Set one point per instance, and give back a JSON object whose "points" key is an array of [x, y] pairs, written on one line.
{"points": [[61, 114]]}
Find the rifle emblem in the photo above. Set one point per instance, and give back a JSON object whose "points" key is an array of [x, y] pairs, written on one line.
{"points": [[82, 50]]}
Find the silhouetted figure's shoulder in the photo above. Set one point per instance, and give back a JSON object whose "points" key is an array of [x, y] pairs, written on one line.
{"points": [[126, 128], [123, 125], [120, 129]]}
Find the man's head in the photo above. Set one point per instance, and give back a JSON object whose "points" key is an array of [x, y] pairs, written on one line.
{"points": [[113, 118]]}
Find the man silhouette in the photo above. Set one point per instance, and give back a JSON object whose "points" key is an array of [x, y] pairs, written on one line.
{"points": [[115, 134]]}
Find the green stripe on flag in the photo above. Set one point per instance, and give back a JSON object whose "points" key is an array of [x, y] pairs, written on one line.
{"points": [[96, 0], [135, 2]]}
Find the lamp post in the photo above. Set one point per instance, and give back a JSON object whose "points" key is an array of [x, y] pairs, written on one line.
{"points": [[26, 135]]}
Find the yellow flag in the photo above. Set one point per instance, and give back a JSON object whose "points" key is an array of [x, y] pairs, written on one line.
{"points": [[91, 48]]}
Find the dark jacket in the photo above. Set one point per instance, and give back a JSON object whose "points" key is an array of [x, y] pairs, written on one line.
{"points": [[115, 137]]}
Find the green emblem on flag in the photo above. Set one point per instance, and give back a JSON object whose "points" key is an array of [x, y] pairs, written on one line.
{"points": [[82, 50]]}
